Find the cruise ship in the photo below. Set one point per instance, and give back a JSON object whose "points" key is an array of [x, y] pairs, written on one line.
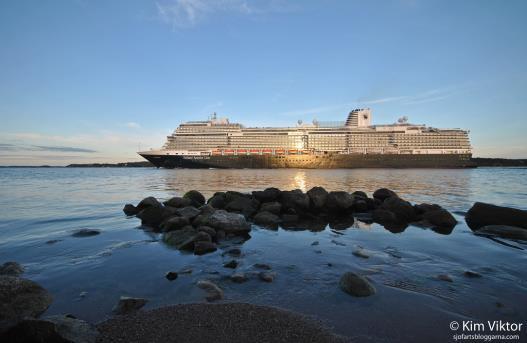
{"points": [[353, 143]]}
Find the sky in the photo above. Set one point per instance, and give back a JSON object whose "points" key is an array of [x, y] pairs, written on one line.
{"points": [[86, 81]]}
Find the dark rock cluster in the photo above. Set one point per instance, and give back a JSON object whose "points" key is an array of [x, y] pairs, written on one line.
{"points": [[193, 223], [491, 220]]}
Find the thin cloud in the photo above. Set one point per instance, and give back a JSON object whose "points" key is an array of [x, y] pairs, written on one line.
{"points": [[133, 125], [420, 98], [62, 149], [188, 13], [317, 110]]}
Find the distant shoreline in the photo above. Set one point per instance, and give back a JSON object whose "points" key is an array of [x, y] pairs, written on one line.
{"points": [[480, 162]]}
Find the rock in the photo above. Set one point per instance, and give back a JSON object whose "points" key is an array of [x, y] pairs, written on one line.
{"points": [[403, 210], [202, 247], [213, 291], [315, 243], [202, 236], [471, 274], [218, 200], [341, 222], [189, 212], [482, 214], [73, 329], [175, 223], [294, 199], [360, 205], [190, 243], [53, 241], [273, 207], [360, 253], [130, 210], [267, 195], [196, 197], [238, 277], [128, 305], [262, 266], [266, 276], [231, 264], [339, 202], [86, 233], [243, 205], [289, 219], [171, 276], [338, 243], [267, 219], [233, 195], [32, 330], [20, 298], [178, 202], [11, 269], [234, 252], [230, 223], [423, 208], [356, 285], [317, 197], [154, 216], [179, 238], [210, 231], [148, 202], [186, 271], [220, 235], [206, 209], [445, 277], [383, 193], [201, 220], [504, 231], [440, 218], [360, 194], [382, 216]]}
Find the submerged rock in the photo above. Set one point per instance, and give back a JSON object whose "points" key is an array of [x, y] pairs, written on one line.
{"points": [[196, 197], [504, 231], [231, 264], [360, 253], [471, 274], [262, 266], [204, 247], [128, 305], [445, 277], [266, 276], [11, 269], [21, 298], [213, 291], [233, 252], [482, 214], [356, 285], [238, 277], [86, 233], [171, 276]]}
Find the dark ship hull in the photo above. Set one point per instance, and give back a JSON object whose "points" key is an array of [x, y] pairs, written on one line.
{"points": [[323, 161]]}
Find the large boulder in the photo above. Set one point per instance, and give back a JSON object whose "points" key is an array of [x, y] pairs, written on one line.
{"points": [[356, 285], [360, 194], [196, 197], [440, 218], [482, 214], [243, 205], [130, 210], [230, 223], [33, 331], [218, 200], [295, 199], [383, 193], [153, 216], [148, 202], [339, 202], [178, 202], [317, 197], [403, 210], [267, 195], [189, 212], [266, 219], [175, 223], [20, 298], [274, 207]]}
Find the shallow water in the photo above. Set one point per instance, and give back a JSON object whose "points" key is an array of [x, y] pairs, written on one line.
{"points": [[87, 275]]}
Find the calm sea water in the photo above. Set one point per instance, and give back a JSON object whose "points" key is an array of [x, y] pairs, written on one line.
{"points": [[87, 275]]}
